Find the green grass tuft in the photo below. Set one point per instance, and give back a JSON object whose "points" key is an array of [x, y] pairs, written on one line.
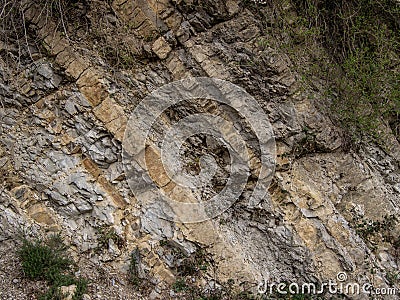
{"points": [[48, 260]]}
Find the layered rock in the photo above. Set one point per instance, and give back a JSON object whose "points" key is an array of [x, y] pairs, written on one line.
{"points": [[63, 119]]}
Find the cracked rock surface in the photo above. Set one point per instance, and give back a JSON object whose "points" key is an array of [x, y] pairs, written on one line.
{"points": [[64, 108]]}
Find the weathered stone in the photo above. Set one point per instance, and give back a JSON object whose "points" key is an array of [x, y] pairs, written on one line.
{"points": [[83, 206], [155, 167], [64, 58], [40, 214], [117, 127], [174, 21], [184, 32], [60, 152], [215, 69], [94, 94], [62, 45], [70, 107], [176, 67], [77, 67], [161, 48], [47, 72], [232, 6], [68, 292], [108, 111]]}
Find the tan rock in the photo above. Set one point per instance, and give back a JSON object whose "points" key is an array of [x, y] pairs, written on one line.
{"points": [[119, 134], [164, 274], [77, 67], [127, 11], [169, 187], [89, 78], [117, 127], [40, 214], [155, 167], [108, 110], [52, 40], [283, 156], [174, 21], [159, 6], [68, 292], [94, 94], [161, 48], [65, 57], [339, 232], [200, 53], [328, 264], [66, 139], [176, 67], [97, 174], [307, 231], [112, 114], [215, 69], [229, 256], [91, 167], [182, 194], [233, 6], [62, 45]]}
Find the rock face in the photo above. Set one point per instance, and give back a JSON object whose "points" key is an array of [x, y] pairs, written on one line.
{"points": [[64, 108]]}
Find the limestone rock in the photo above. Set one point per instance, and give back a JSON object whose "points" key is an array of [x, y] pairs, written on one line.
{"points": [[68, 292], [62, 122], [161, 48]]}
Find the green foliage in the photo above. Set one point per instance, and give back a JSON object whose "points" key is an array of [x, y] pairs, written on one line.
{"points": [[133, 270], [367, 93], [377, 231], [104, 234], [54, 292], [393, 277], [363, 38], [180, 285], [368, 228], [43, 261], [349, 51], [47, 260]]}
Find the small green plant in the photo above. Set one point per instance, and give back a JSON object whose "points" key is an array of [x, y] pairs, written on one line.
{"points": [[307, 144], [105, 234], [377, 231], [43, 261], [393, 277], [133, 270], [48, 260], [367, 228], [180, 285]]}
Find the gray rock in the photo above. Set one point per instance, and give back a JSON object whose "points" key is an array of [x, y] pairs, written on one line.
{"points": [[70, 107], [52, 80], [83, 206], [57, 197], [70, 210], [396, 187], [104, 214]]}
